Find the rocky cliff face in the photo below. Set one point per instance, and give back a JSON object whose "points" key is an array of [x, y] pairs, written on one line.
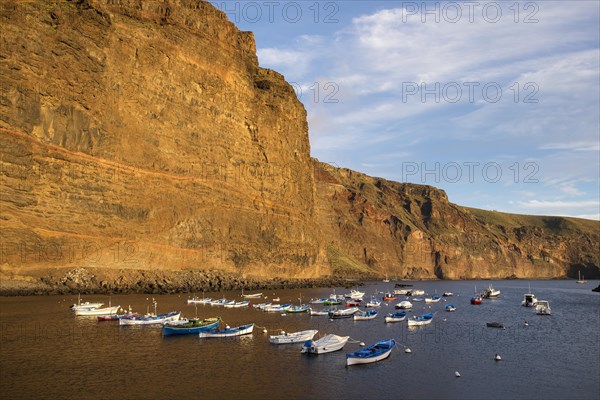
{"points": [[413, 231], [143, 135]]}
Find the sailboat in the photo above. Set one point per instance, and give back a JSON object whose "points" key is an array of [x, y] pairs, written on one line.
{"points": [[580, 280], [386, 280]]}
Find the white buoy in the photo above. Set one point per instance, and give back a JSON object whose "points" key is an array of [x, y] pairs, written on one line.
{"points": [[265, 330], [283, 332], [361, 344], [227, 327], [526, 324], [497, 358], [456, 374], [407, 350]]}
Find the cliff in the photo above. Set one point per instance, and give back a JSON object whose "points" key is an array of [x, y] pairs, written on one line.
{"points": [[144, 136]]}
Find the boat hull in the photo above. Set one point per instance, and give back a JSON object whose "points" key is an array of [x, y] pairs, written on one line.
{"points": [[239, 331], [297, 337], [326, 344], [173, 316], [370, 354], [98, 311], [182, 330]]}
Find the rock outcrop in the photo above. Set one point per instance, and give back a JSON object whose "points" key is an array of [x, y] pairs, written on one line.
{"points": [[144, 136]]}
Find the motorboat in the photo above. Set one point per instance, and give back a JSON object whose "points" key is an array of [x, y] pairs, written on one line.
{"points": [[296, 337], [542, 307], [373, 353], [327, 344]]}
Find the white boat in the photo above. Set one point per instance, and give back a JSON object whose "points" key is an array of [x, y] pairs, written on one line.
{"points": [[252, 295], [448, 294], [404, 305], [365, 315], [354, 294], [323, 312], [84, 306], [375, 352], [219, 302], [402, 292], [262, 306], [237, 304], [318, 301], [99, 311], [296, 337], [529, 299], [277, 307], [432, 299], [490, 292], [396, 317], [580, 280], [151, 319], [386, 280], [195, 300], [424, 319], [417, 292], [345, 313], [373, 303], [326, 344], [228, 332], [542, 307]]}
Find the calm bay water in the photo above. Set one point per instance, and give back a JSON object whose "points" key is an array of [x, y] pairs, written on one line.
{"points": [[47, 352]]}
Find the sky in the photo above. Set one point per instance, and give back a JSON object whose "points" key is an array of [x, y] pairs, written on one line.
{"points": [[497, 103]]}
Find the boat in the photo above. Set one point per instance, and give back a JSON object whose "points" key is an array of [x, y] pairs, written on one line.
{"points": [[192, 326], [228, 303], [401, 292], [450, 307], [542, 307], [326, 344], [529, 299], [389, 297], [418, 298], [365, 315], [332, 302], [372, 353], [353, 303], [84, 306], [277, 307], [228, 332], [424, 319], [448, 294], [373, 303], [219, 302], [417, 292], [396, 317], [303, 308], [237, 304], [98, 311], [346, 313], [433, 299], [580, 280], [251, 296], [494, 325], [596, 289], [295, 337], [402, 285], [116, 317], [323, 312], [490, 292], [354, 294], [404, 305], [318, 301], [476, 300], [386, 280], [262, 306], [195, 300], [151, 319]]}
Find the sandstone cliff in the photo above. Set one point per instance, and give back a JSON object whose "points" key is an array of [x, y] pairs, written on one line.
{"points": [[143, 135]]}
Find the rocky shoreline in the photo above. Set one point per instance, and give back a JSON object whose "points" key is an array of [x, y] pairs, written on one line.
{"points": [[84, 281]]}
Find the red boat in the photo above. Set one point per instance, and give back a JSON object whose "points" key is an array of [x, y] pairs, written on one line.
{"points": [[353, 303], [476, 300], [389, 297]]}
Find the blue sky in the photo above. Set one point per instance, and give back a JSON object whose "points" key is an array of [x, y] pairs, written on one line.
{"points": [[497, 103]]}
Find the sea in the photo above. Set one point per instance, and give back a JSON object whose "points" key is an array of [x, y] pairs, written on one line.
{"points": [[46, 352]]}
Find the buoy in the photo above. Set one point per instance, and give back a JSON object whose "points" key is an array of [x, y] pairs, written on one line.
{"points": [[265, 330], [331, 319], [283, 332], [227, 327], [407, 350], [526, 324], [361, 344], [456, 374], [497, 358]]}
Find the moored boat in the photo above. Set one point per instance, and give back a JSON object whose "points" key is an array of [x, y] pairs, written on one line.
{"points": [[490, 293], [323, 312], [277, 307], [365, 315], [228, 332], [303, 308], [192, 326], [395, 317], [450, 307], [432, 299], [404, 305], [417, 292], [542, 307], [151, 319], [389, 297], [252, 295], [346, 313], [196, 300], [116, 317], [418, 298], [262, 306], [529, 300], [354, 294], [448, 294], [494, 325], [424, 319], [353, 303], [84, 306], [237, 304], [476, 300], [98, 311], [372, 353], [326, 344], [401, 292], [295, 337], [373, 303]]}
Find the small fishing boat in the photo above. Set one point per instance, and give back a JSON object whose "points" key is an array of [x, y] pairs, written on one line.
{"points": [[116, 317], [237, 304], [84, 306], [346, 313], [323, 312], [529, 299], [318, 301], [386, 280], [365, 315], [476, 300], [252, 295], [277, 307], [228, 332], [353, 303], [326, 344], [192, 326], [402, 285], [448, 294], [219, 302], [424, 319], [332, 302], [373, 303], [494, 325], [450, 307], [354, 294], [542, 307], [262, 306], [580, 279], [196, 300], [395, 317], [401, 292], [98, 311], [295, 337], [372, 353], [417, 292], [418, 298], [303, 308], [389, 297], [490, 293], [432, 299], [151, 319], [228, 303], [404, 305]]}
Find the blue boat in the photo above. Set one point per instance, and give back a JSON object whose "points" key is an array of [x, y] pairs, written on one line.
{"points": [[396, 317], [420, 320], [365, 315], [193, 326], [372, 353], [450, 307]]}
